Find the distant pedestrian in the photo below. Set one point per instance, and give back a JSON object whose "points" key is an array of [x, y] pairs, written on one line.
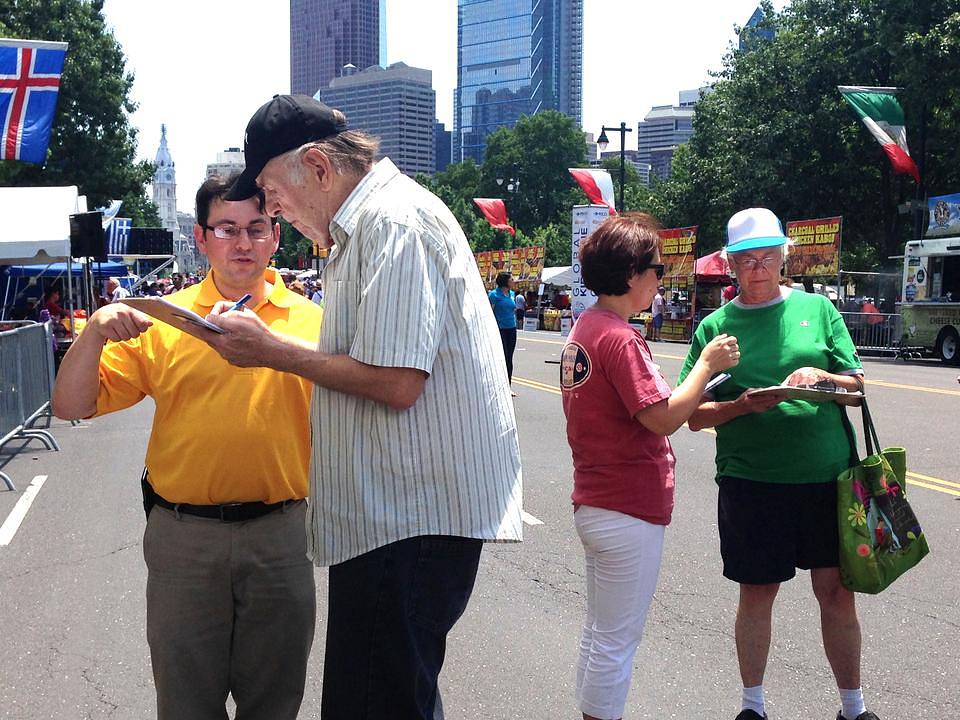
{"points": [[656, 311], [116, 291], [521, 304], [503, 301]]}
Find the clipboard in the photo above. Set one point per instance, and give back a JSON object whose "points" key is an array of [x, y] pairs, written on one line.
{"points": [[174, 315], [811, 394]]}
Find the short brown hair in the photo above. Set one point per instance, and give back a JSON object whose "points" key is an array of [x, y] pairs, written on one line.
{"points": [[618, 249], [216, 187]]}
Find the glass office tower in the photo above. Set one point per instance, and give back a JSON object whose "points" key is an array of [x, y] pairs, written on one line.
{"points": [[326, 35], [514, 57]]}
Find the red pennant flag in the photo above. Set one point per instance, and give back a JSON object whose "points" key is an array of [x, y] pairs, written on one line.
{"points": [[598, 186], [495, 212]]}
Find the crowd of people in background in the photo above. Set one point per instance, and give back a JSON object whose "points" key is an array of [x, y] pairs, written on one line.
{"points": [[113, 289]]}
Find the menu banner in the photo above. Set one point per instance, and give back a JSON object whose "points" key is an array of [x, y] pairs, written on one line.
{"points": [[678, 253], [524, 263], [815, 250]]}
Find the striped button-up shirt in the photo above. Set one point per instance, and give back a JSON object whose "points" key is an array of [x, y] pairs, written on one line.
{"points": [[402, 290]]}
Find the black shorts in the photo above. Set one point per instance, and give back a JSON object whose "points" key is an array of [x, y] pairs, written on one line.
{"points": [[767, 530]]}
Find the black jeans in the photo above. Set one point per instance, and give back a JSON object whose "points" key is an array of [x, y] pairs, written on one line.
{"points": [[389, 613], [508, 336]]}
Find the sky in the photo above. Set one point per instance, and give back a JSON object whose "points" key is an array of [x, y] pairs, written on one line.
{"points": [[202, 67]]}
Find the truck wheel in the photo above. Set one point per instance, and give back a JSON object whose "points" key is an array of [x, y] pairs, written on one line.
{"points": [[948, 346]]}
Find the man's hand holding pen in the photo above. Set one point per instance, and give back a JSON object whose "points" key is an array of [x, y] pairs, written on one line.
{"points": [[246, 340]]}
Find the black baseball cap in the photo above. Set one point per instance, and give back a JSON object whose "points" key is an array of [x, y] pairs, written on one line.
{"points": [[284, 123]]}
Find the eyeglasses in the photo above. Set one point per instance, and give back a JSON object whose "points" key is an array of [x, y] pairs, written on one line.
{"points": [[749, 263], [257, 232], [658, 269]]}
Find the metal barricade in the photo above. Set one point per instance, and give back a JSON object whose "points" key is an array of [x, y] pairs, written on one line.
{"points": [[26, 385], [876, 332]]}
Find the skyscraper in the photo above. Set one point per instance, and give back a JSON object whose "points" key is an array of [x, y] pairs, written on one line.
{"points": [[663, 130], [514, 57], [397, 104], [752, 35], [441, 146], [326, 35]]}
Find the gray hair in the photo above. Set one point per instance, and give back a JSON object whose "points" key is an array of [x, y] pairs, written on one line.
{"points": [[351, 152]]}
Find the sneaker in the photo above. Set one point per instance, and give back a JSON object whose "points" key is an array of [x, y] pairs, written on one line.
{"points": [[752, 715], [866, 715]]}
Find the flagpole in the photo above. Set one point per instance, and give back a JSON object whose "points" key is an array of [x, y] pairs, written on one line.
{"points": [[602, 143], [920, 200]]}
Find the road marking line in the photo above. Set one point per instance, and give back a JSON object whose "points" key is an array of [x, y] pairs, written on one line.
{"points": [[878, 383], [918, 388], [918, 476], [917, 483], [537, 385], [924, 481], [19, 512], [530, 519], [555, 342]]}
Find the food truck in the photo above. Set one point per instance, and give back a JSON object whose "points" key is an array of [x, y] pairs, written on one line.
{"points": [[930, 307]]}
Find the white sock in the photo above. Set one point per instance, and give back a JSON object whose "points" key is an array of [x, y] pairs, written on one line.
{"points": [[852, 701], [752, 699]]}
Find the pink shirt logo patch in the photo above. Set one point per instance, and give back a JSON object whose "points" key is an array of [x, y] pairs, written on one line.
{"points": [[574, 366]]}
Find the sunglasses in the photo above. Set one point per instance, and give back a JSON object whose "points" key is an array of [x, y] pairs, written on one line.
{"points": [[658, 269]]}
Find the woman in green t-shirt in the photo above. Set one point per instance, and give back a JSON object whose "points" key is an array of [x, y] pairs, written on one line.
{"points": [[778, 459]]}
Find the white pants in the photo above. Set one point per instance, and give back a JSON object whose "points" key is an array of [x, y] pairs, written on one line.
{"points": [[622, 556]]}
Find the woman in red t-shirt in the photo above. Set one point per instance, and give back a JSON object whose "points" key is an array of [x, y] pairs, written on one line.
{"points": [[619, 411]]}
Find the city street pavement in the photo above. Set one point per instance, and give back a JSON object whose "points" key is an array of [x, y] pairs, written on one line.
{"points": [[72, 579]]}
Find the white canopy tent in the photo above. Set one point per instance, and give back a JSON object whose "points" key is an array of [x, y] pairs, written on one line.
{"points": [[35, 223], [35, 228], [560, 276]]}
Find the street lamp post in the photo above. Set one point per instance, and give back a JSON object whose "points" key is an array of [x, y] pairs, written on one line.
{"points": [[513, 182], [602, 143]]}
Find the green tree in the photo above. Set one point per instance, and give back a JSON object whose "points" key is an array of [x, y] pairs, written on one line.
{"points": [[537, 151], [556, 240], [776, 132], [92, 144], [293, 245]]}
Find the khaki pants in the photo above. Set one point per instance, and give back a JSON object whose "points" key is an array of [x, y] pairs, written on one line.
{"points": [[231, 608]]}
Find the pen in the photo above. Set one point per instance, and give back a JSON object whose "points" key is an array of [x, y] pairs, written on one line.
{"points": [[238, 305]]}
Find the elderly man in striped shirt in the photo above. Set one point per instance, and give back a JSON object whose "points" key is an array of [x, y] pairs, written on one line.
{"points": [[415, 453]]}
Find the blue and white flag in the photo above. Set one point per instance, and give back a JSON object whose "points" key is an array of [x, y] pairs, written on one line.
{"points": [[30, 73], [118, 236], [110, 212]]}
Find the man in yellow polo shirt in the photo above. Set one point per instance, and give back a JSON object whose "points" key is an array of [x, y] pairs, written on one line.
{"points": [[231, 601]]}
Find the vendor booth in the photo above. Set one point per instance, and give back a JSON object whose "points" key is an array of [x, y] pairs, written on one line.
{"points": [[35, 229], [553, 312], [713, 274]]}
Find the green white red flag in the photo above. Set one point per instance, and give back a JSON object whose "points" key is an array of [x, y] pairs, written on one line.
{"points": [[883, 116]]}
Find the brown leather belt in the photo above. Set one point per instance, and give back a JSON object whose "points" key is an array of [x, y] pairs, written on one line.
{"points": [[230, 512]]}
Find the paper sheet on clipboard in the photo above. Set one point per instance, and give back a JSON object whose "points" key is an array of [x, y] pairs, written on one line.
{"points": [[179, 317], [810, 394]]}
